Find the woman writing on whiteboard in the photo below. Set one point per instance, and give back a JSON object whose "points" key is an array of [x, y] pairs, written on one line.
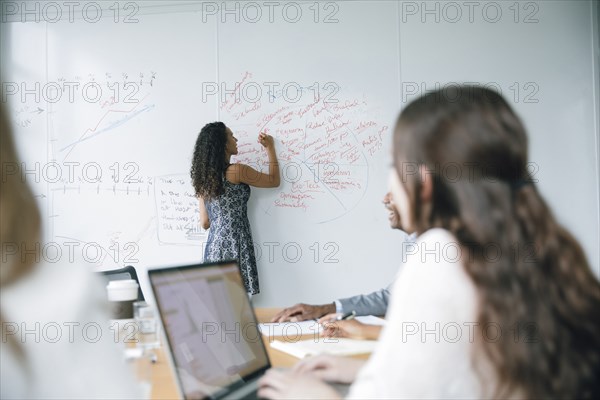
{"points": [[498, 299], [223, 190]]}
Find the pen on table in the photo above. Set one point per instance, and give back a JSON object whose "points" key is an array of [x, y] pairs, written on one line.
{"points": [[346, 316]]}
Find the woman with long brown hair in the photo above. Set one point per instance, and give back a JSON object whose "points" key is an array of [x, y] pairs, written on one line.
{"points": [[496, 299]]}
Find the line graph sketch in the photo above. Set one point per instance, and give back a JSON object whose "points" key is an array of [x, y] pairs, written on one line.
{"points": [[102, 127]]}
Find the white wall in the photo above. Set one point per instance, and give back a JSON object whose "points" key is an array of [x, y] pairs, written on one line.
{"points": [[552, 60], [543, 56]]}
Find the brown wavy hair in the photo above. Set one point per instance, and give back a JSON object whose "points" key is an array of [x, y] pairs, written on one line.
{"points": [[208, 162], [538, 286]]}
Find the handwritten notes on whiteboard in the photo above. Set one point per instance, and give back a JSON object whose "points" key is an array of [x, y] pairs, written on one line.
{"points": [[177, 210], [324, 144]]}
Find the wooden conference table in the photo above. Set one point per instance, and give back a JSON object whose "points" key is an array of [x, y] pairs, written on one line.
{"points": [[163, 381]]}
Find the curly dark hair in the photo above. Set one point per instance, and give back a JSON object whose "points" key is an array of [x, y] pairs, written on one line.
{"points": [[208, 163], [548, 293]]}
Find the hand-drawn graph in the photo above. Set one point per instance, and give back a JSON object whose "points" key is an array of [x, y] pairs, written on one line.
{"points": [[107, 103], [105, 124]]}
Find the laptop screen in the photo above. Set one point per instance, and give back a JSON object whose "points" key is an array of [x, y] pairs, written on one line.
{"points": [[210, 326]]}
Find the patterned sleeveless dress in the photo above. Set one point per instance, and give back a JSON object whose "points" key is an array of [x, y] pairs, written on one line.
{"points": [[229, 237]]}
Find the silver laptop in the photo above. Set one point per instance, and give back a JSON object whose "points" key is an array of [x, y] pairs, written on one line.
{"points": [[216, 349]]}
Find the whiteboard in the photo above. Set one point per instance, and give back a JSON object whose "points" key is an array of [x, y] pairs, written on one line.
{"points": [[113, 164]]}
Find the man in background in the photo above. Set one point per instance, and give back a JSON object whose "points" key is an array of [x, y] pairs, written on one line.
{"points": [[375, 303]]}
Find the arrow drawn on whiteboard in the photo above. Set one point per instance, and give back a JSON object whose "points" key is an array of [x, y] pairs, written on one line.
{"points": [[108, 128], [115, 124]]}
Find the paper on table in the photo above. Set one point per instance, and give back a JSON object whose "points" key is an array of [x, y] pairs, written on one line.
{"points": [[335, 346], [310, 327], [371, 320], [290, 329]]}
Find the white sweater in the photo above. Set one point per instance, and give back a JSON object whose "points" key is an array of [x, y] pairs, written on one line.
{"points": [[62, 360], [426, 348]]}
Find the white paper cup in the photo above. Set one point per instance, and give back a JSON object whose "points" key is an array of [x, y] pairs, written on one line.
{"points": [[121, 295]]}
